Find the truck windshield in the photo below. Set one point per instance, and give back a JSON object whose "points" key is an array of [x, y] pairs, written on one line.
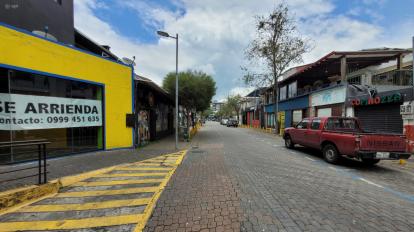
{"points": [[344, 124]]}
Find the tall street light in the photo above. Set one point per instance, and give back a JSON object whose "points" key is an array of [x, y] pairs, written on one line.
{"points": [[165, 34]]}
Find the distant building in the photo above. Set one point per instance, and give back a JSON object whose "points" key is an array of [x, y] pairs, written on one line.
{"points": [[216, 106], [252, 113]]}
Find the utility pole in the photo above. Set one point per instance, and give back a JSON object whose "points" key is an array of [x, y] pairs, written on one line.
{"points": [[165, 34]]}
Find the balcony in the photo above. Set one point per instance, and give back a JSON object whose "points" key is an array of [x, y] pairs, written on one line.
{"points": [[395, 78]]}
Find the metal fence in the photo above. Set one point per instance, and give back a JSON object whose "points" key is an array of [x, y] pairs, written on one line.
{"points": [[39, 167]]}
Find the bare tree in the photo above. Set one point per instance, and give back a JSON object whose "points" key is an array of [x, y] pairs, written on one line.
{"points": [[276, 47]]}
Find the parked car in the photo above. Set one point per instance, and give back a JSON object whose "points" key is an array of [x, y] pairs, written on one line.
{"points": [[340, 136], [224, 121], [232, 122]]}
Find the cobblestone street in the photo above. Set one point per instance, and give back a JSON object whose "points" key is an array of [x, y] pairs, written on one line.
{"points": [[236, 179]]}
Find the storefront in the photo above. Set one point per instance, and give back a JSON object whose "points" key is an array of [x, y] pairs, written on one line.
{"points": [[291, 111], [328, 102], [65, 95], [154, 110], [380, 111]]}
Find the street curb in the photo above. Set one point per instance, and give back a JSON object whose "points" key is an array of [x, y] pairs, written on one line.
{"points": [[15, 198], [261, 130], [11, 200], [151, 205]]}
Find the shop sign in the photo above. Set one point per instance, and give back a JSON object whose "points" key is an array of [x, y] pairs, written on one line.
{"points": [[377, 100], [28, 112], [328, 97], [407, 109]]}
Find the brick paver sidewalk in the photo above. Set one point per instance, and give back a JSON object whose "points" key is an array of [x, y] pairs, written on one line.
{"points": [[199, 197]]}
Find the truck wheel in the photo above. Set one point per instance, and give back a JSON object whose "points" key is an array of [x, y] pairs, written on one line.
{"points": [[370, 162], [288, 142], [331, 154]]}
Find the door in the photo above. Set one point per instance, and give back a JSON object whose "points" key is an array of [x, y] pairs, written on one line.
{"points": [[298, 134], [383, 118], [313, 133]]}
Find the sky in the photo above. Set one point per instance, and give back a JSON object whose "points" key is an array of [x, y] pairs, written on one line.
{"points": [[213, 34]]}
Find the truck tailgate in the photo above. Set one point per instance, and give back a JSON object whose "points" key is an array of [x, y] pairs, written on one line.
{"points": [[377, 142]]}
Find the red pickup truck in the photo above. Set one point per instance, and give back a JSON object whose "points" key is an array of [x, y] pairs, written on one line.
{"points": [[343, 136]]}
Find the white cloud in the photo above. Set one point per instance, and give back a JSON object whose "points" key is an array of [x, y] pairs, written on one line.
{"points": [[214, 33], [242, 91]]}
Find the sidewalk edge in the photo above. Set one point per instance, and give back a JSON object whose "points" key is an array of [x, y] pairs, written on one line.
{"points": [[151, 205], [13, 199]]}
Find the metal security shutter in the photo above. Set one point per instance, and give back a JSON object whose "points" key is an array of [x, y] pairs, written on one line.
{"points": [[380, 118]]}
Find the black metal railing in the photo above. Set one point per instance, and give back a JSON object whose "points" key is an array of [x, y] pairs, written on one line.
{"points": [[41, 164]]}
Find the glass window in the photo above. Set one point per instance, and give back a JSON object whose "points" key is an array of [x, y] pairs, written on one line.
{"points": [[303, 124], [63, 140], [282, 93], [292, 90], [296, 117], [5, 153], [355, 80], [341, 124], [316, 124]]}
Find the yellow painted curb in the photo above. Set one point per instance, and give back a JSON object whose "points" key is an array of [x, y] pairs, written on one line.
{"points": [[85, 206], [14, 199], [151, 205], [71, 224]]}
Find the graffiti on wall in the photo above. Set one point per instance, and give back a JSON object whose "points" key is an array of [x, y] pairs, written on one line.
{"points": [[143, 127]]}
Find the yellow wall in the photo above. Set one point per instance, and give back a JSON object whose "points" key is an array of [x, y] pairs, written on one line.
{"points": [[26, 51]]}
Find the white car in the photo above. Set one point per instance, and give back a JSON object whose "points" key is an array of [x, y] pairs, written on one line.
{"points": [[224, 121]]}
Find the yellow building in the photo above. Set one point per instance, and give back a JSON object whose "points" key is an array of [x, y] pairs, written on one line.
{"points": [[76, 99]]}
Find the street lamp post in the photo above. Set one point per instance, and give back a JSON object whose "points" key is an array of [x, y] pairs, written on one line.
{"points": [[165, 34]]}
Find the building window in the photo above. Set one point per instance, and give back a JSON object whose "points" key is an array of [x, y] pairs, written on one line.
{"points": [[395, 77], [282, 93], [270, 119], [355, 80], [292, 91], [296, 117]]}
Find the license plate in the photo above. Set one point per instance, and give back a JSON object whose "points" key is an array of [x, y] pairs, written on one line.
{"points": [[382, 155]]}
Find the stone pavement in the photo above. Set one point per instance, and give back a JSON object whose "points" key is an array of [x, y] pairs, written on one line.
{"points": [[75, 164], [200, 197], [237, 179]]}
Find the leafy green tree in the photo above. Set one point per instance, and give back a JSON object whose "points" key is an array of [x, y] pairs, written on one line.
{"points": [[206, 113], [195, 90], [276, 47]]}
